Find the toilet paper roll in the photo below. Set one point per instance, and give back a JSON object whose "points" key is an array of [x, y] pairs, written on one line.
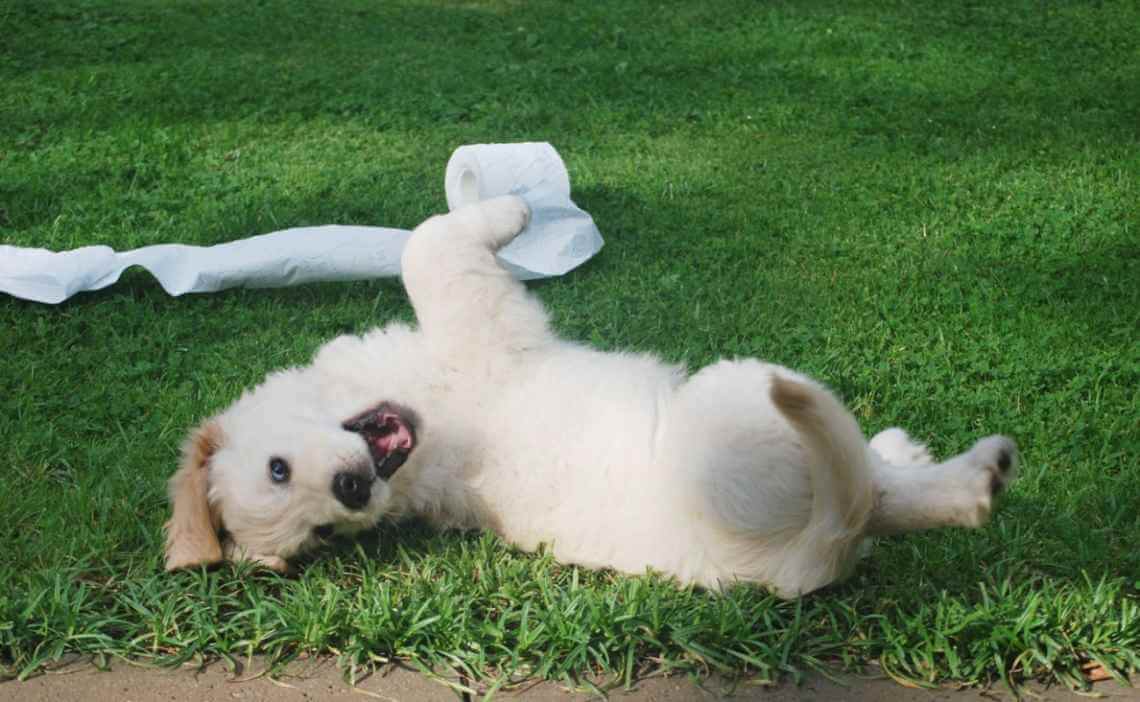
{"points": [[559, 237], [482, 171]]}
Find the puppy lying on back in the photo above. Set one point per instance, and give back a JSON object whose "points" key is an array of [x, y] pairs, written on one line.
{"points": [[483, 418]]}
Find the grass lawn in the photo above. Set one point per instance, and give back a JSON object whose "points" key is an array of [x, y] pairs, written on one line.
{"points": [[932, 207]]}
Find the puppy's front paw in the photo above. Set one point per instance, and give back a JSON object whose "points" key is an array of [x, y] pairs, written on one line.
{"points": [[234, 553], [506, 215], [992, 464]]}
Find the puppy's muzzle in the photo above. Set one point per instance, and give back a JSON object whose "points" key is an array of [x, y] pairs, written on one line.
{"points": [[352, 489]]}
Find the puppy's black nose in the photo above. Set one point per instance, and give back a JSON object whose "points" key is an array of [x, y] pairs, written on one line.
{"points": [[352, 489]]}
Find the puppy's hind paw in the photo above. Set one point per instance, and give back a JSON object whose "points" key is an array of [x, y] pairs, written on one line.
{"points": [[993, 464], [997, 455]]}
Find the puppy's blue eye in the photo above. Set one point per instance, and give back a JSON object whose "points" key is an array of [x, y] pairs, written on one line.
{"points": [[278, 470]]}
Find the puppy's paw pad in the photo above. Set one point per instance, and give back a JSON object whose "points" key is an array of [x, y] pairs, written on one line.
{"points": [[896, 447], [992, 466], [997, 455]]}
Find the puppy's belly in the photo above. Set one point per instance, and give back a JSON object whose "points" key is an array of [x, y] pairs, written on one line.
{"points": [[576, 465], [619, 521]]}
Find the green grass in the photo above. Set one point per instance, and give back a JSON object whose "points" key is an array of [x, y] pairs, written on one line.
{"points": [[933, 207]]}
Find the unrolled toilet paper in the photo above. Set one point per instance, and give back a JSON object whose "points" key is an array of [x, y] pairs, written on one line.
{"points": [[560, 237]]}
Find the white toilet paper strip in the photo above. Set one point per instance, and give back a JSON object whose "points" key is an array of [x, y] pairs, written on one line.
{"points": [[559, 237]]}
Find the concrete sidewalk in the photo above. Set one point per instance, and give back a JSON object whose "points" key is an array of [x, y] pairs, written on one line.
{"points": [[320, 680]]}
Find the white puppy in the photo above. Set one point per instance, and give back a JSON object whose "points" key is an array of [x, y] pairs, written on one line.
{"points": [[745, 471]]}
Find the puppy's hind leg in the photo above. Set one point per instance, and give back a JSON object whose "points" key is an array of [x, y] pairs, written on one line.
{"points": [[465, 300], [958, 492], [782, 470]]}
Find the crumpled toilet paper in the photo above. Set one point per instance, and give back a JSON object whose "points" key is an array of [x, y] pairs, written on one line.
{"points": [[560, 237]]}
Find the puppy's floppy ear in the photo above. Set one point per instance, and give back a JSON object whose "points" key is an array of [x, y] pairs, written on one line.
{"points": [[192, 532]]}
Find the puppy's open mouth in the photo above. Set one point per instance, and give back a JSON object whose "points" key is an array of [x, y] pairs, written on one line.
{"points": [[390, 432]]}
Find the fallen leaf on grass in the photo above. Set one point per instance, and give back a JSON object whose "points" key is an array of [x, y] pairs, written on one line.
{"points": [[1095, 672]]}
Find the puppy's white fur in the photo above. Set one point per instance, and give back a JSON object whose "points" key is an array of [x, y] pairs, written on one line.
{"points": [[745, 471]]}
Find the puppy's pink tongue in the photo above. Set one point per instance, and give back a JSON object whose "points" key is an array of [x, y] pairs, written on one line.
{"points": [[394, 434]]}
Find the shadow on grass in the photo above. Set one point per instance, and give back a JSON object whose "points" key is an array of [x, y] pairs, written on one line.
{"points": [[868, 72], [1095, 289], [382, 543]]}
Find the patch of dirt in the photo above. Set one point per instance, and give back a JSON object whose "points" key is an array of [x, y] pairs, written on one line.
{"points": [[321, 680]]}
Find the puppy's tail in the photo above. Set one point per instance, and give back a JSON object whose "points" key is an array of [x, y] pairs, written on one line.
{"points": [[842, 488]]}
